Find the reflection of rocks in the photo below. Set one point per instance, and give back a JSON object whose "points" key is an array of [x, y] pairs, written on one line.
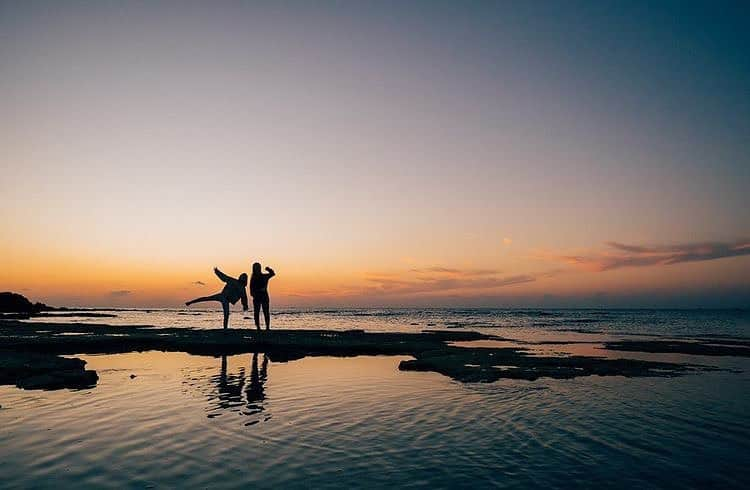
{"points": [[43, 371]]}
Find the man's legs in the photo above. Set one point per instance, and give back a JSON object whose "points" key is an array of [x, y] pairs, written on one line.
{"points": [[256, 312], [267, 313]]}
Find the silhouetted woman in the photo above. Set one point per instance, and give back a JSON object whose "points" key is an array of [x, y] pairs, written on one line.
{"points": [[259, 292], [234, 290]]}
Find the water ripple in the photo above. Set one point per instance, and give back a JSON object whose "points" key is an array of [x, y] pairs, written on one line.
{"points": [[231, 422]]}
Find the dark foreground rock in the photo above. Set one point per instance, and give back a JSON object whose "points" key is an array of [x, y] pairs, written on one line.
{"points": [[700, 347], [492, 364], [31, 370]]}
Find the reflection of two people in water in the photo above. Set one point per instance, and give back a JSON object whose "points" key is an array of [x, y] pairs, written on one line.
{"points": [[231, 387]]}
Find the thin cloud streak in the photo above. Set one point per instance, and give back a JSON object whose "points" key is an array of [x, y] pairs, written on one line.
{"points": [[428, 281], [439, 279], [456, 272], [626, 255], [399, 287]]}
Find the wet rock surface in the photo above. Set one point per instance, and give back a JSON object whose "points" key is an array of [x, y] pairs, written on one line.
{"points": [[29, 370], [491, 364], [431, 351], [701, 347]]}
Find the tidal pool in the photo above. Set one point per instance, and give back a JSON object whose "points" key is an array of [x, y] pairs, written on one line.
{"points": [[160, 419]]}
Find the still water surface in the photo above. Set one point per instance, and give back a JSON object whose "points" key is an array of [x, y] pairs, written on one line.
{"points": [[324, 422], [239, 421]]}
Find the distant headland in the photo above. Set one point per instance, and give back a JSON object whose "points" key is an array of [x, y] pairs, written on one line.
{"points": [[17, 303], [15, 306]]}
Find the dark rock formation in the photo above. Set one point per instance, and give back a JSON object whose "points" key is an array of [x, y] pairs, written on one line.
{"points": [[702, 347], [431, 350], [18, 303], [29, 370], [491, 364], [15, 303]]}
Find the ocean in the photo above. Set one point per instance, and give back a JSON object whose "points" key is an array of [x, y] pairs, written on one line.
{"points": [[734, 322], [165, 420]]}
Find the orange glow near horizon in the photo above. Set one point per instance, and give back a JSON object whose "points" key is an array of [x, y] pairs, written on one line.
{"points": [[515, 279]]}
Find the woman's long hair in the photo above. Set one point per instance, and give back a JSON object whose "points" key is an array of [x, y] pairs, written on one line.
{"points": [[256, 269]]}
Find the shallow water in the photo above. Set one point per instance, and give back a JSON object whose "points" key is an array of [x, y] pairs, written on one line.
{"points": [[230, 422], [175, 420]]}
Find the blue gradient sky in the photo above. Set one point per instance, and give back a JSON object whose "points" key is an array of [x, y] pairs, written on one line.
{"points": [[379, 152]]}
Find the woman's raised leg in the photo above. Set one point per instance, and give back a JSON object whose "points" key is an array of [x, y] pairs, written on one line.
{"points": [[202, 299]]}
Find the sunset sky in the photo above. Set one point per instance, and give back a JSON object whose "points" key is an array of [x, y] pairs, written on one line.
{"points": [[377, 153]]}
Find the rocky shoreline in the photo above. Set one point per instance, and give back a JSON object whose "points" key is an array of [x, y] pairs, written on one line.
{"points": [[30, 353]]}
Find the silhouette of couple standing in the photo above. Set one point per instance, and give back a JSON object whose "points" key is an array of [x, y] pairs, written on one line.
{"points": [[235, 290]]}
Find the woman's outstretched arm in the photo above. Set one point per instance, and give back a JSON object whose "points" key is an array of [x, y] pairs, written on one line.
{"points": [[221, 275]]}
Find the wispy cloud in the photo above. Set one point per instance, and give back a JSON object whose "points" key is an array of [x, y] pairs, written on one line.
{"points": [[440, 279], [448, 271], [625, 255], [120, 293], [428, 281], [198, 283]]}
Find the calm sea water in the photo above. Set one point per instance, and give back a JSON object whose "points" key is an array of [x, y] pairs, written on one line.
{"points": [[239, 421], [496, 321]]}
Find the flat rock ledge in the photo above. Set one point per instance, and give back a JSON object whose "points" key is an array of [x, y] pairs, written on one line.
{"points": [[30, 352], [696, 347], [35, 371]]}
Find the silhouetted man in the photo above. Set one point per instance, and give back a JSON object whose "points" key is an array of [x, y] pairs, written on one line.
{"points": [[259, 292]]}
